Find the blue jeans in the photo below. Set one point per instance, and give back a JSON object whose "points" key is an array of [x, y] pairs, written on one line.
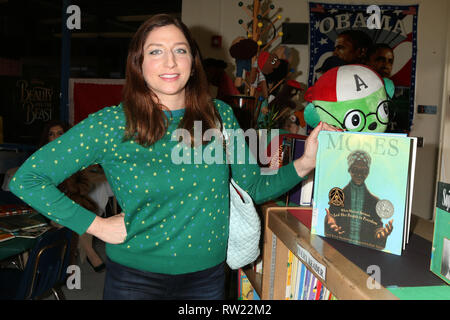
{"points": [[124, 283]]}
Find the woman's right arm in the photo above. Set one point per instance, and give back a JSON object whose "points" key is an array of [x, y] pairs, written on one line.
{"points": [[37, 179]]}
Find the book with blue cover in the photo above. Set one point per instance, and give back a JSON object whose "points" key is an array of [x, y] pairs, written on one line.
{"points": [[440, 255], [363, 189]]}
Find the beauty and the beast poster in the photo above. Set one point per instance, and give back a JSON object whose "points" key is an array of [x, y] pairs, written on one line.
{"points": [[383, 37]]}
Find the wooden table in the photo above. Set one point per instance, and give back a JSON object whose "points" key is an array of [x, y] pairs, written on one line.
{"points": [[346, 275]]}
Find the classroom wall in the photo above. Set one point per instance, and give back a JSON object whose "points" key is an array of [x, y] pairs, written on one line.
{"points": [[207, 18], [443, 165], [444, 156]]}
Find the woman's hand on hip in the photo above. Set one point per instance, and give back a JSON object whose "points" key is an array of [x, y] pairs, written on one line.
{"points": [[110, 230]]}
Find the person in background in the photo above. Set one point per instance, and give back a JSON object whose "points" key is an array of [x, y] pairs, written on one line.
{"points": [[52, 130], [351, 47], [380, 59], [170, 241]]}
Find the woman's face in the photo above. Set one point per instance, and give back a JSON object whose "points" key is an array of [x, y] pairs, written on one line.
{"points": [[167, 65], [55, 132]]}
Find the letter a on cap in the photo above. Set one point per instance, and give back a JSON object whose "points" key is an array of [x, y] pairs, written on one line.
{"points": [[359, 82], [356, 82]]}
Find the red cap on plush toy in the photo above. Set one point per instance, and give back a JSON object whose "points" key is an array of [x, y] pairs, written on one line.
{"points": [[345, 83]]}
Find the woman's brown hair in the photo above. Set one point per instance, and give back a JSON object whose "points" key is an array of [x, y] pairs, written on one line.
{"points": [[146, 122]]}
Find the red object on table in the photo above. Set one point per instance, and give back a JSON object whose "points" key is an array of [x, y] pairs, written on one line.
{"points": [[304, 215]]}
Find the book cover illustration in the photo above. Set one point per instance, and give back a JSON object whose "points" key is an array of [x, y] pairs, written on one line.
{"points": [[4, 236], [361, 189], [284, 153], [440, 254], [245, 288]]}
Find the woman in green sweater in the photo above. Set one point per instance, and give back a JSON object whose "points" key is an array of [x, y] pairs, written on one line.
{"points": [[170, 240]]}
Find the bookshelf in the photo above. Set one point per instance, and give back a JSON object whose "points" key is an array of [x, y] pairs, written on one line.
{"points": [[346, 280]]}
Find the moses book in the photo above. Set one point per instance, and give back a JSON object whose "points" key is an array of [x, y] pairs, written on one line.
{"points": [[363, 189]]}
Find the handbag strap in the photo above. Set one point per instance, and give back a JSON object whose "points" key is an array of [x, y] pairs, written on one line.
{"points": [[226, 141]]}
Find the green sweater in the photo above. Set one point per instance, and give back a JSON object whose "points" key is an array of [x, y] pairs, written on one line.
{"points": [[176, 215]]}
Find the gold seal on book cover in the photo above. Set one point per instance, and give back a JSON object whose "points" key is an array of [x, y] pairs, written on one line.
{"points": [[336, 196]]}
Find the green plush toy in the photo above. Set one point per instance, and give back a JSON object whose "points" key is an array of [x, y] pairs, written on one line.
{"points": [[351, 97]]}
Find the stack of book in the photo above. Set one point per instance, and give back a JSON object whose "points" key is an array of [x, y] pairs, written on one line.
{"points": [[29, 225], [301, 284], [14, 209]]}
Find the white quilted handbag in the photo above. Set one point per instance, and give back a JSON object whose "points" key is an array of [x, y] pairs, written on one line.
{"points": [[245, 227]]}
